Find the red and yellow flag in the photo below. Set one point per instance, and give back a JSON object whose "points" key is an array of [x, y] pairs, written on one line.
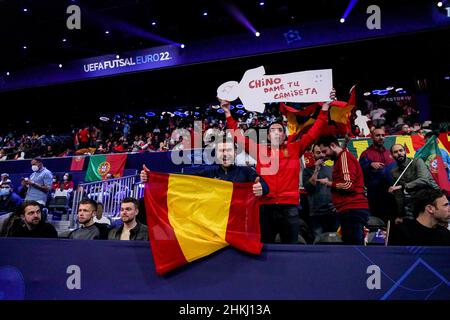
{"points": [[190, 217], [300, 121]]}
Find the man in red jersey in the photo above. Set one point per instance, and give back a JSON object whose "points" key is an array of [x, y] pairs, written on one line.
{"points": [[278, 163], [347, 189]]}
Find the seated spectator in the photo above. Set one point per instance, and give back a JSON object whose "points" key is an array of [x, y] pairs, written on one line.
{"points": [[431, 210], [3, 155], [67, 183], [30, 224], [49, 152], [4, 178], [9, 200], [99, 217], [405, 131], [68, 153], [131, 229], [55, 183], [89, 229]]}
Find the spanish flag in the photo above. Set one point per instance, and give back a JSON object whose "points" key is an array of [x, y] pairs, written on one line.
{"points": [[190, 217], [299, 121]]}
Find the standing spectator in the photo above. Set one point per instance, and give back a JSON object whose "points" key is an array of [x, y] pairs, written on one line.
{"points": [[321, 209], [416, 176], [83, 137], [131, 229], [40, 182], [278, 163], [376, 162], [347, 189]]}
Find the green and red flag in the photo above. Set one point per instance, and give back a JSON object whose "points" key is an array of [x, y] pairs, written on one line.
{"points": [[432, 157], [190, 217], [101, 165]]}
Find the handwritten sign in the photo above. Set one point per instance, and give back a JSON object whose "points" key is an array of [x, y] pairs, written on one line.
{"points": [[256, 88]]}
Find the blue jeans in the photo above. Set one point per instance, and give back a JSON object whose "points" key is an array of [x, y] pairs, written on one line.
{"points": [[352, 223]]}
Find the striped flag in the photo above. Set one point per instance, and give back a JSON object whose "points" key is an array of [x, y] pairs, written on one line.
{"points": [[299, 121], [190, 217], [101, 165], [432, 157]]}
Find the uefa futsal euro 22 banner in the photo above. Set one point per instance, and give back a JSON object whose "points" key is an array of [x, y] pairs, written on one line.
{"points": [[142, 60]]}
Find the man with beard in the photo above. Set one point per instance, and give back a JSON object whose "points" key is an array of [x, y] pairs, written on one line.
{"points": [[89, 229], [347, 189], [131, 229], [278, 162], [376, 162], [30, 225], [321, 210], [431, 209], [414, 176]]}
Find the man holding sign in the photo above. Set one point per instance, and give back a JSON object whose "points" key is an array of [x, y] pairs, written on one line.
{"points": [[278, 163]]}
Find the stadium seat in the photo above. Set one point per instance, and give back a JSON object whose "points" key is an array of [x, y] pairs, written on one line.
{"points": [[329, 238]]}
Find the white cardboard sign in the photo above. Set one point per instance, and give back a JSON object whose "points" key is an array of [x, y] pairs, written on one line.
{"points": [[256, 88]]}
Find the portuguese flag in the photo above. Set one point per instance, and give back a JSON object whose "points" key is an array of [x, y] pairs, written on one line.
{"points": [[190, 217], [101, 165], [432, 157]]}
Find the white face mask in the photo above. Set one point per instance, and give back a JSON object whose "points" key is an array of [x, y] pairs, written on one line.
{"points": [[34, 168]]}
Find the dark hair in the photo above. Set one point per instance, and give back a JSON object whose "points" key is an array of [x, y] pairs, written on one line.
{"points": [[276, 122], [378, 128], [26, 204], [327, 141], [425, 197], [429, 134], [397, 144], [89, 201], [38, 159], [131, 200]]}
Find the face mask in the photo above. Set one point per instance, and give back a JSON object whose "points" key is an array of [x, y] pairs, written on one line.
{"points": [[65, 178], [4, 192], [34, 168]]}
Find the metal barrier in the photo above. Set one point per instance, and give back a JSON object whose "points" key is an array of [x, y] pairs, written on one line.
{"points": [[138, 190], [109, 193]]}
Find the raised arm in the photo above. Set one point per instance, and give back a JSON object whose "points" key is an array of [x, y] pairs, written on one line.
{"points": [[321, 122], [246, 143]]}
